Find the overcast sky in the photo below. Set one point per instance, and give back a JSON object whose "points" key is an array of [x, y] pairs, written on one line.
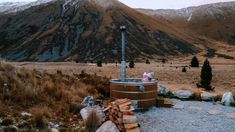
{"points": [[155, 4], [168, 4]]}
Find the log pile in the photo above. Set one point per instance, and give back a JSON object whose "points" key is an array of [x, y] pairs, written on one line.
{"points": [[121, 113]]}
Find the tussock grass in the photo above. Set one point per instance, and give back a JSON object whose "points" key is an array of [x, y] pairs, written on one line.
{"points": [[92, 121], [46, 96]]}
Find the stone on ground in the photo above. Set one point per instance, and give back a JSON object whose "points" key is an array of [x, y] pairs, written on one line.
{"points": [[162, 90], [88, 101], [206, 96], [227, 99], [183, 94], [213, 111], [178, 106], [108, 126], [54, 130]]}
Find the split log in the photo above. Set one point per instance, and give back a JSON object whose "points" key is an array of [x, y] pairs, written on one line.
{"points": [[121, 113], [133, 130], [130, 126], [128, 119]]}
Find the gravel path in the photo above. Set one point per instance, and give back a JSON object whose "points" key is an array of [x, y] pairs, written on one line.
{"points": [[188, 116]]}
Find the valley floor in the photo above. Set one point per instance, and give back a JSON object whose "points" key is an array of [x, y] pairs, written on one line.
{"points": [[188, 116], [169, 74]]}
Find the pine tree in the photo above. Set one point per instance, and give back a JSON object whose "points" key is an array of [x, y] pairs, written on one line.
{"points": [[206, 75], [99, 63], [194, 62], [163, 61], [131, 64], [147, 61], [184, 69]]}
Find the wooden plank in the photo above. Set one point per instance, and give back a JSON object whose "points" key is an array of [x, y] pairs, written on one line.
{"points": [[125, 104], [167, 104], [106, 109], [131, 126], [145, 104], [133, 130], [132, 88], [133, 96], [128, 113]]}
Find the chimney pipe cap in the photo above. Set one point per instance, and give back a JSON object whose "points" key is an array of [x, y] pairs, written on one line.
{"points": [[123, 28]]}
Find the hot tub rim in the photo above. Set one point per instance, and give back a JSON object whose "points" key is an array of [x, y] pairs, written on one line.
{"points": [[118, 82]]}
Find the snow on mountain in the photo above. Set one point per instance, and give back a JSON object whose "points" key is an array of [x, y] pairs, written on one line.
{"points": [[190, 17], [10, 7], [185, 13]]}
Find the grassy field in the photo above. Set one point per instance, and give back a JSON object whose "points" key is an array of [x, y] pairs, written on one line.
{"points": [[169, 74]]}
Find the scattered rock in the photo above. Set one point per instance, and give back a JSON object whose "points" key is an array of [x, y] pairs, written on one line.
{"points": [[183, 94], [231, 115], [26, 114], [11, 129], [178, 106], [54, 130], [162, 90], [85, 112], [108, 126], [53, 125], [88, 101], [206, 96], [213, 111], [0, 121], [227, 99]]}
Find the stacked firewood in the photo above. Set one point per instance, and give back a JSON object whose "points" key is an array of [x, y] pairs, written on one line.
{"points": [[121, 113]]}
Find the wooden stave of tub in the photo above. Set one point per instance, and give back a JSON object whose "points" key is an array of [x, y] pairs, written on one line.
{"points": [[141, 98]]}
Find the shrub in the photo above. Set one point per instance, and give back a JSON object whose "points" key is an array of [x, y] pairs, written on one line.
{"points": [[39, 121], [99, 63], [194, 62], [184, 69], [169, 95], [233, 104], [101, 84], [131, 64], [163, 61], [206, 76], [147, 61], [75, 107], [93, 121], [7, 122]]}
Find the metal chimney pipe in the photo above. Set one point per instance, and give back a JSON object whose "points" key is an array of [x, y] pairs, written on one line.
{"points": [[123, 70]]}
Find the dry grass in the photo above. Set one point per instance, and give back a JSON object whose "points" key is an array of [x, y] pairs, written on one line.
{"points": [[40, 116], [92, 121], [167, 74], [48, 96]]}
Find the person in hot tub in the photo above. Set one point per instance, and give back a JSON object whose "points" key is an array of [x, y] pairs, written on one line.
{"points": [[147, 77]]}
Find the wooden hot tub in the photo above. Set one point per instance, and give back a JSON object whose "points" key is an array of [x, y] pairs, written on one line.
{"points": [[142, 94]]}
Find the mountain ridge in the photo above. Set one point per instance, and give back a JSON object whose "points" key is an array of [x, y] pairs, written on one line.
{"points": [[214, 21], [84, 30]]}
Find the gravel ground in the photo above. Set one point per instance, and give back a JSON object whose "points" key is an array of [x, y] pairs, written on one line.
{"points": [[188, 116]]}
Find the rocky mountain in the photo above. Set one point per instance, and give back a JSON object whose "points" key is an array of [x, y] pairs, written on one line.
{"points": [[87, 30], [214, 21]]}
